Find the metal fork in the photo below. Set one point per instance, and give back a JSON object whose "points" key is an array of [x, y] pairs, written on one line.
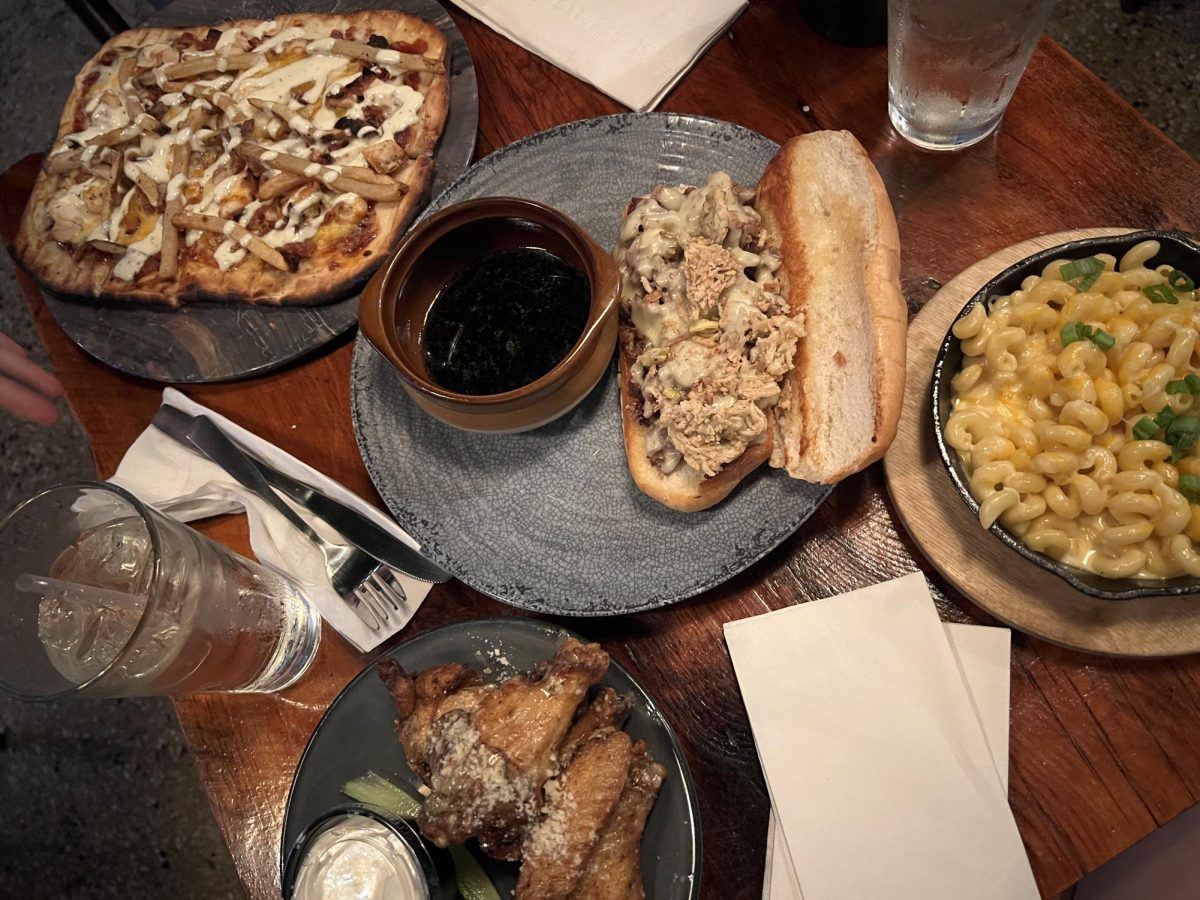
{"points": [[367, 586]]}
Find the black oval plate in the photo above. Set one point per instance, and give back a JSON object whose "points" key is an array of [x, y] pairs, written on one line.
{"points": [[356, 734], [206, 342], [1177, 250]]}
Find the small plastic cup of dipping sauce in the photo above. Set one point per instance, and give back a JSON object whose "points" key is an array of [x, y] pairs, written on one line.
{"points": [[355, 853]]}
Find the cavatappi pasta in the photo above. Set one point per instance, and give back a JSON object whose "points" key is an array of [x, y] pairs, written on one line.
{"points": [[1076, 414]]}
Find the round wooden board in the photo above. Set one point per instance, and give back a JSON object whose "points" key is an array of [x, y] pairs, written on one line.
{"points": [[999, 580]]}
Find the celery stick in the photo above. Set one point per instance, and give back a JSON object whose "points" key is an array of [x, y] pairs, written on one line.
{"points": [[473, 883], [378, 793]]}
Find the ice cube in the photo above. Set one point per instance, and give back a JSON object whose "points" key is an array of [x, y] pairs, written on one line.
{"points": [[82, 637]]}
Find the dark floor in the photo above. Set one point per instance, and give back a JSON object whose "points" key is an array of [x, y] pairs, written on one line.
{"points": [[100, 799]]}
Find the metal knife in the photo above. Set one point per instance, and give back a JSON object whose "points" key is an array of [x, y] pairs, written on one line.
{"points": [[355, 527], [352, 525]]}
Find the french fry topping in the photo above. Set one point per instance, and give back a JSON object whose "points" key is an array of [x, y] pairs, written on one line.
{"points": [[244, 141]]}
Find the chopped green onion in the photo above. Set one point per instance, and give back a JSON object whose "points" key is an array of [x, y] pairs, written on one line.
{"points": [[473, 883], [1145, 429], [1180, 281], [1088, 266], [383, 796], [1160, 293], [1182, 432], [1189, 486], [1074, 331], [1189, 384], [1177, 453], [1164, 417], [1102, 339]]}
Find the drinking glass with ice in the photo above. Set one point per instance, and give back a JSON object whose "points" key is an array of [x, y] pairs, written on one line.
{"points": [[102, 596], [953, 65]]}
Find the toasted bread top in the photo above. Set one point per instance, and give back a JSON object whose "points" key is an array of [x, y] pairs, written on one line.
{"points": [[841, 263]]}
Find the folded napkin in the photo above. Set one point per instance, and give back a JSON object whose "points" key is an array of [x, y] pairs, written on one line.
{"points": [[874, 751], [982, 655], [632, 50], [186, 486]]}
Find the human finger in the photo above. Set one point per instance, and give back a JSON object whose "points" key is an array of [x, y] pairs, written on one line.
{"points": [[21, 368], [7, 343], [26, 403]]}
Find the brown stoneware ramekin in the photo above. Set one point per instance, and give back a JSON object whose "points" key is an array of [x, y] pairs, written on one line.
{"points": [[396, 303]]}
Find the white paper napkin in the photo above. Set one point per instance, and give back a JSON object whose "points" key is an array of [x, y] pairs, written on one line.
{"points": [[982, 654], [632, 50], [186, 486], [876, 762]]}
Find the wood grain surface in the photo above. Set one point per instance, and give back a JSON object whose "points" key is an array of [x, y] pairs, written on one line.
{"points": [[1011, 588], [1103, 751]]}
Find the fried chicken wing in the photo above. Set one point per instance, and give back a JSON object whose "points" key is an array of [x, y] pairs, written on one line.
{"points": [[526, 719], [532, 772], [419, 700], [487, 764], [579, 804], [607, 710], [614, 870]]}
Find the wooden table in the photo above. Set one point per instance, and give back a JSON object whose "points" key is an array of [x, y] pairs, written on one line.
{"points": [[1103, 751]]}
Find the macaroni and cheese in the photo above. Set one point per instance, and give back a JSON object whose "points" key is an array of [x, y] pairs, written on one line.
{"points": [[1076, 414]]}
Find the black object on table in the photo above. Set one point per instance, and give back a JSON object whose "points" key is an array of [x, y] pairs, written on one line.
{"points": [[852, 23], [100, 18]]}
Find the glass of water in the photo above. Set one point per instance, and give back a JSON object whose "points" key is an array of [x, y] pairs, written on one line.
{"points": [[102, 596], [953, 65]]}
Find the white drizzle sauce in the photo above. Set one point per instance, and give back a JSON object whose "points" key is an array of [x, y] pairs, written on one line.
{"points": [[276, 85], [228, 254], [175, 185], [129, 265], [301, 221]]}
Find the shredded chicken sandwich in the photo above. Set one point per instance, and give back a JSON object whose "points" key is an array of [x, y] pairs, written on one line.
{"points": [[706, 320]]}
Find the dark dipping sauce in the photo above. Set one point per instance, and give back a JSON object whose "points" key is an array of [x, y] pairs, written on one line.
{"points": [[505, 321]]}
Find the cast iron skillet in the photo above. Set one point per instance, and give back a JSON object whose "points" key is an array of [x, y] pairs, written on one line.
{"points": [[1177, 250]]}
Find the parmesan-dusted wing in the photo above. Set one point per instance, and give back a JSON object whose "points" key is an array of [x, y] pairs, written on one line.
{"points": [[578, 806], [487, 765], [167, 127], [420, 700], [614, 870], [608, 709], [526, 719]]}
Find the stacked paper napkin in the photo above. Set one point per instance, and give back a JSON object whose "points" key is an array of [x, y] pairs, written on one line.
{"points": [[633, 50], [186, 486], [883, 737]]}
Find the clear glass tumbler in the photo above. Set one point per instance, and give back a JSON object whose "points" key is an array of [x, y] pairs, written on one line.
{"points": [[953, 65], [102, 596]]}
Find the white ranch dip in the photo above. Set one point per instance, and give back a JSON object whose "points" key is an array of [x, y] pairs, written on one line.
{"points": [[359, 859]]}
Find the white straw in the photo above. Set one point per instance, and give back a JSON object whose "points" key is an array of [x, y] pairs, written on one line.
{"points": [[69, 590]]}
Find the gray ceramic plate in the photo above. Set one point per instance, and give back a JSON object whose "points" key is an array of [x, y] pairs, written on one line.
{"points": [[205, 342], [550, 520], [356, 734], [1177, 250]]}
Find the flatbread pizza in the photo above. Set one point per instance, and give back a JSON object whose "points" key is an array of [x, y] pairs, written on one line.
{"points": [[266, 161]]}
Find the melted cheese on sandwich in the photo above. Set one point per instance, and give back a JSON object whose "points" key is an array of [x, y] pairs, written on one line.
{"points": [[707, 320]]}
